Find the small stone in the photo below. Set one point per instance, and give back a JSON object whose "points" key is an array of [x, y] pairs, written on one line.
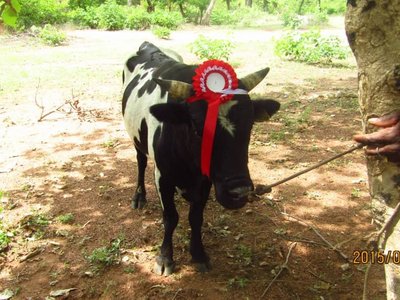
{"points": [[345, 267]]}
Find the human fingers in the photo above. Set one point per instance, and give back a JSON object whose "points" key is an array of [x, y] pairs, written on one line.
{"points": [[386, 120], [384, 150], [388, 135]]}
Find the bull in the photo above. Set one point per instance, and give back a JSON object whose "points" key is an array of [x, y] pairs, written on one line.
{"points": [[168, 129]]}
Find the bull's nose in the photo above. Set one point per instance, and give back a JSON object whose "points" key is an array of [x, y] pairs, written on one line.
{"points": [[240, 192]]}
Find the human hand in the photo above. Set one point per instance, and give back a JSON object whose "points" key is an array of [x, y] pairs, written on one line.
{"points": [[385, 141]]}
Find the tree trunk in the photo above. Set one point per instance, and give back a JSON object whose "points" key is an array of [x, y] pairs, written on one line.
{"points": [[205, 20], [129, 2], [150, 6], [182, 10], [373, 31], [228, 4], [249, 3], [300, 7]]}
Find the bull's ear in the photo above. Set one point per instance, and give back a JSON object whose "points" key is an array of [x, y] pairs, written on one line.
{"points": [[264, 109], [173, 113]]}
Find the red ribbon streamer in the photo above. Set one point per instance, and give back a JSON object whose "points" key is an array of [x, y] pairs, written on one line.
{"points": [[214, 99]]}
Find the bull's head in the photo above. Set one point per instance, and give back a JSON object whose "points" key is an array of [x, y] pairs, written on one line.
{"points": [[229, 170]]}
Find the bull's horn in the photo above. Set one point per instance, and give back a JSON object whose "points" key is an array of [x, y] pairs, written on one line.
{"points": [[252, 80], [177, 89]]}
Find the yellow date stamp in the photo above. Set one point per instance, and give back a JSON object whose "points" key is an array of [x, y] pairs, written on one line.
{"points": [[376, 257]]}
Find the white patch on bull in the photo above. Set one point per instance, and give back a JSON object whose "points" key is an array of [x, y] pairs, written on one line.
{"points": [[223, 116], [157, 176], [138, 108]]}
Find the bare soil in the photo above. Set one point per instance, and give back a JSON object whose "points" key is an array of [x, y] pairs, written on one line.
{"points": [[80, 161]]}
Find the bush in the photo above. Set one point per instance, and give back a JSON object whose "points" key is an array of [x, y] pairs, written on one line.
{"points": [[52, 36], [162, 32], [111, 16], [318, 18], [170, 20], [290, 20], [223, 17], [310, 47], [138, 19], [85, 17], [206, 49], [41, 12]]}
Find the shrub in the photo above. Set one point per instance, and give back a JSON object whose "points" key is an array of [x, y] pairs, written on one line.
{"points": [[162, 32], [138, 19], [85, 17], [310, 47], [41, 12], [170, 20], [111, 16], [318, 18], [223, 17], [205, 48], [290, 20], [52, 36]]}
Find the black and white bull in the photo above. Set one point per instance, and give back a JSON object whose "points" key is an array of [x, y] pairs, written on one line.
{"points": [[167, 129]]}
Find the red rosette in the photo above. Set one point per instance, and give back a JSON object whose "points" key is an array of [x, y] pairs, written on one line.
{"points": [[212, 78]]}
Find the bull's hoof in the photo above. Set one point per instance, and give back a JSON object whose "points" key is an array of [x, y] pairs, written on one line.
{"points": [[201, 262], [202, 267], [164, 266], [138, 201]]}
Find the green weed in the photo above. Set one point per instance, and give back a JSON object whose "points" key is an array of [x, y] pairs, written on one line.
{"points": [[162, 32], [67, 218], [206, 49], [106, 256], [52, 36], [237, 282], [310, 47]]}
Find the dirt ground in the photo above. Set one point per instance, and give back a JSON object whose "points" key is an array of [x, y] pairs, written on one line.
{"points": [[69, 179]]}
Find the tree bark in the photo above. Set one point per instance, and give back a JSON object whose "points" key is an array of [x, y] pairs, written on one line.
{"points": [[249, 3], [373, 31], [205, 20], [228, 4]]}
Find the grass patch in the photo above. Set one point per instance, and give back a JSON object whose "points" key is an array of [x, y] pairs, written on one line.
{"points": [[66, 219], [107, 255]]}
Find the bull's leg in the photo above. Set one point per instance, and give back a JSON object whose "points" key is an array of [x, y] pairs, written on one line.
{"points": [[164, 262], [197, 205], [139, 198]]}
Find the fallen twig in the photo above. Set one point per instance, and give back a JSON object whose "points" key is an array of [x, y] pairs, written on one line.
{"points": [[281, 267], [176, 294], [302, 222]]}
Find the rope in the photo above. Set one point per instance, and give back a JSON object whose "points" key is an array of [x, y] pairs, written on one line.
{"points": [[262, 189]]}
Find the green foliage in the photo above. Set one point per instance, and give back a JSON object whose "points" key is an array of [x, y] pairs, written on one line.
{"points": [[318, 18], [52, 36], [290, 19], [106, 256], [162, 32], [310, 47], [67, 218], [334, 7], [41, 12], [4, 235], [9, 12], [111, 16], [206, 49], [237, 282], [85, 17], [138, 19], [170, 20]]}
